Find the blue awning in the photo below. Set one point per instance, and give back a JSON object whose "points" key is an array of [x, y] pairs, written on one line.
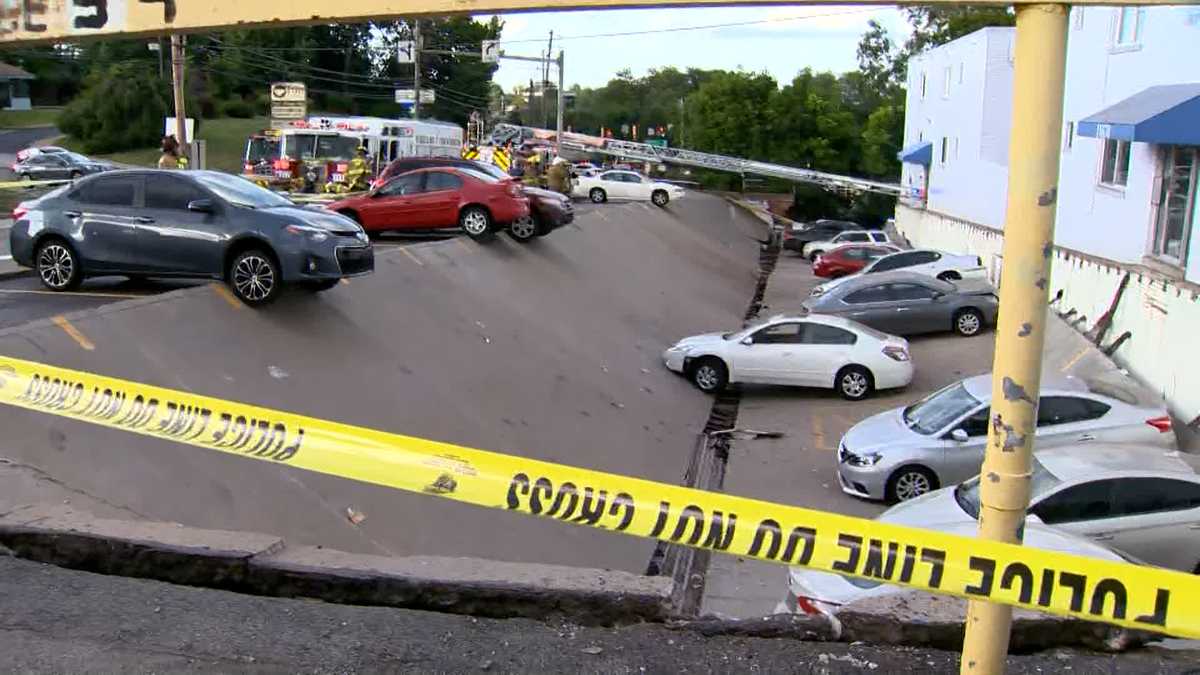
{"points": [[917, 153], [1167, 114]]}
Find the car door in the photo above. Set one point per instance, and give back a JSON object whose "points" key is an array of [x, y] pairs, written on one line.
{"points": [[871, 305], [438, 201], [1063, 420], [917, 309], [43, 167], [1156, 519], [892, 262], [392, 206], [773, 355], [175, 240], [823, 351], [637, 187], [924, 262], [103, 212], [961, 459]]}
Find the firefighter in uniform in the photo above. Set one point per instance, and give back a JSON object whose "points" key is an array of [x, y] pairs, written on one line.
{"points": [[558, 177], [356, 175]]}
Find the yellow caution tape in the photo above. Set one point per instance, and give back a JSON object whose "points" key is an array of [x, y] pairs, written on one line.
{"points": [[30, 183], [1133, 596]]}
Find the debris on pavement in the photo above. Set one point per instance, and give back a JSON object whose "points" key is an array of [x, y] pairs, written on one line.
{"points": [[355, 517]]}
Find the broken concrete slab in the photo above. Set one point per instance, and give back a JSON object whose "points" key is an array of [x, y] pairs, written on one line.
{"points": [[916, 618]]}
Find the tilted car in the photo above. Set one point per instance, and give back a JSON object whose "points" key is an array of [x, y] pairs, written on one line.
{"points": [[906, 452], [936, 264], [849, 258], [814, 592], [905, 303], [799, 234], [548, 210], [625, 185], [443, 198], [199, 224], [815, 248], [1142, 500], [810, 351], [63, 165]]}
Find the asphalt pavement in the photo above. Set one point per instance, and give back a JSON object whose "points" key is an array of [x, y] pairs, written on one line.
{"points": [[548, 350], [63, 621]]}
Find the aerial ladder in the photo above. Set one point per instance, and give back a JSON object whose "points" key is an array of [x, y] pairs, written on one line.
{"points": [[645, 152]]}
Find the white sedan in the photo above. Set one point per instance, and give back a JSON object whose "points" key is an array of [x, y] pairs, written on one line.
{"points": [[625, 185], [808, 351], [936, 264]]}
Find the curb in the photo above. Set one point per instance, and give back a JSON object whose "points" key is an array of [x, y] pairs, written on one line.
{"points": [[262, 564]]}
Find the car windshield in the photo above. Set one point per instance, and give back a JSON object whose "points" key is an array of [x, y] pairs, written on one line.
{"points": [[932, 413], [491, 170], [748, 329], [967, 492], [262, 147], [239, 191], [336, 147]]}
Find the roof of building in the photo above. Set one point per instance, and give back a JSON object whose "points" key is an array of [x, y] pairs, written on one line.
{"points": [[11, 72]]}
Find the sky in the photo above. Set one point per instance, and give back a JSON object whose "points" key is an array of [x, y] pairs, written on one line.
{"points": [[778, 40]]}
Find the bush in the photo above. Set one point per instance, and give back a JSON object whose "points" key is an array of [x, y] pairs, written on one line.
{"points": [[121, 108], [238, 108]]}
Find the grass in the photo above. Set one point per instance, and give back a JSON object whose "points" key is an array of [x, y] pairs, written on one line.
{"points": [[38, 117], [225, 138]]}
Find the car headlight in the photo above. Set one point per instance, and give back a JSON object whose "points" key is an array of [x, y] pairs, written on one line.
{"points": [[677, 349], [869, 459], [314, 234]]}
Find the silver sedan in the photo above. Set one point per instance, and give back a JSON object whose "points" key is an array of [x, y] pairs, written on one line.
{"points": [[906, 452], [908, 303]]}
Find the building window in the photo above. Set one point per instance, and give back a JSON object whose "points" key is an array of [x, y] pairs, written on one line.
{"points": [[945, 149], [1177, 203], [1128, 28], [1070, 141], [1115, 167], [922, 85], [946, 81]]}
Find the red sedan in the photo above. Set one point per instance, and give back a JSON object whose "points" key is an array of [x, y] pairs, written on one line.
{"points": [[849, 259], [438, 199]]}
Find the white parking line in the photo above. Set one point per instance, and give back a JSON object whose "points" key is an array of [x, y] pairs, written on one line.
{"points": [[5, 257]]}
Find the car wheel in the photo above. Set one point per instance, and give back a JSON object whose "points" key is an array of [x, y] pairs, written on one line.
{"points": [[660, 198], [598, 196], [910, 482], [710, 375], [58, 266], [949, 276], [254, 277], [968, 322], [476, 222], [813, 255], [524, 229], [854, 383], [321, 286]]}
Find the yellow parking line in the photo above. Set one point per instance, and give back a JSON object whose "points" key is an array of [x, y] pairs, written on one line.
{"points": [[70, 329], [410, 254], [818, 431], [71, 293], [226, 295], [1075, 359]]}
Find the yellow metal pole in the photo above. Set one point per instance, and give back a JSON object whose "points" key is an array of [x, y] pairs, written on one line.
{"points": [[1028, 235]]}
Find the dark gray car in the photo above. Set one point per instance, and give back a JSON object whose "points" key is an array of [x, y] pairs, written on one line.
{"points": [[58, 166], [202, 224], [906, 303]]}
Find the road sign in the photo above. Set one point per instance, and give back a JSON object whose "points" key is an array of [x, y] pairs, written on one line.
{"points": [[427, 96], [491, 51], [405, 95], [657, 142], [289, 101], [406, 51]]}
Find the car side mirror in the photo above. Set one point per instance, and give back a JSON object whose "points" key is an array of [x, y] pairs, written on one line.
{"points": [[201, 206], [959, 436], [747, 341], [1033, 518]]}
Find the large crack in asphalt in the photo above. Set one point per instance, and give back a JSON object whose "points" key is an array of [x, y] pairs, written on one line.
{"points": [[687, 566]]}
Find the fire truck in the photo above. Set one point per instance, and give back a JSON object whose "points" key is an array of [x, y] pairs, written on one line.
{"points": [[307, 155]]}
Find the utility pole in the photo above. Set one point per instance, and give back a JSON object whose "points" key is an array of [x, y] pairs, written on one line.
{"points": [[177, 60], [558, 127], [1039, 67], [346, 74], [546, 80], [417, 69]]}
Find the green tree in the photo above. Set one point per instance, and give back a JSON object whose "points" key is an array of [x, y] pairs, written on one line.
{"points": [[881, 140], [730, 114], [121, 107]]}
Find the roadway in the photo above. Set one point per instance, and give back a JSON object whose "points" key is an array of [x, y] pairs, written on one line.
{"points": [[550, 350]]}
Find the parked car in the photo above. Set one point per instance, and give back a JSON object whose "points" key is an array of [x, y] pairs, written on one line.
{"points": [[201, 224], [815, 248], [64, 165], [849, 258], [625, 185], [909, 304], [906, 452], [548, 210], [799, 234], [814, 592], [936, 264], [38, 149], [1142, 500], [442, 198], [808, 351]]}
